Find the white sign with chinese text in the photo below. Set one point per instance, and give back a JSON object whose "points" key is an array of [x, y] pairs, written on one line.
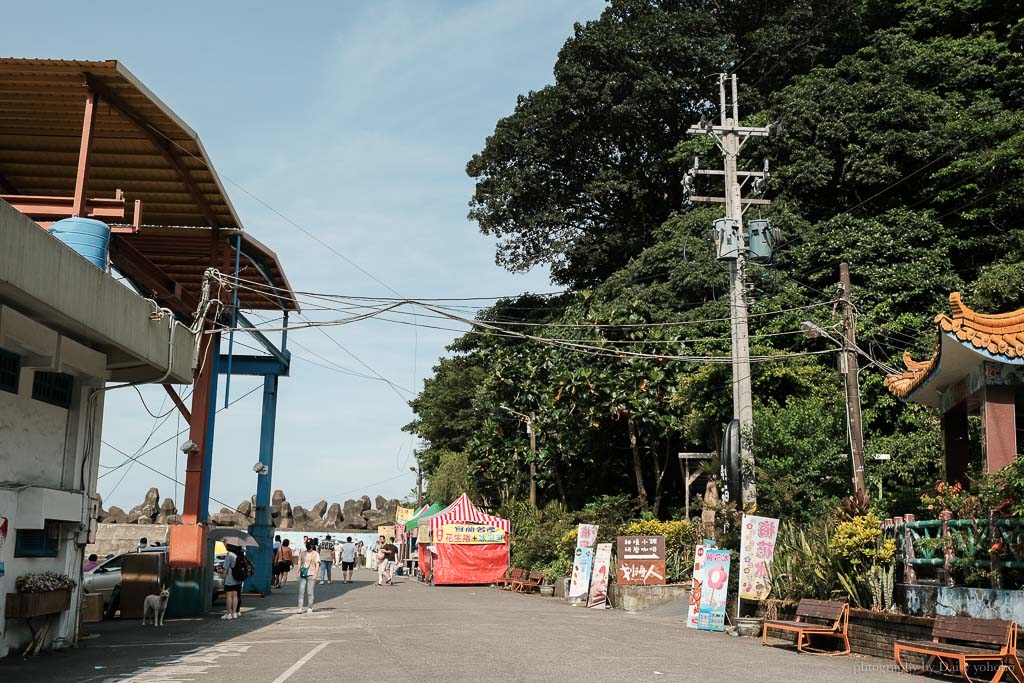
{"points": [[757, 548]]}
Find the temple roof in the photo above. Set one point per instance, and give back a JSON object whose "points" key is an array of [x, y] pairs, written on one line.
{"points": [[965, 338]]}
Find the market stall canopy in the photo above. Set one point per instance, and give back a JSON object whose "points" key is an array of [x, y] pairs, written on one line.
{"points": [[427, 511], [462, 511], [88, 138]]}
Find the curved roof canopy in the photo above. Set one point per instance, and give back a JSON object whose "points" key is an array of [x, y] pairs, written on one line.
{"points": [[141, 148], [965, 338]]}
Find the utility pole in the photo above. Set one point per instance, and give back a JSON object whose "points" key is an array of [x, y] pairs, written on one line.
{"points": [[731, 243], [850, 372]]}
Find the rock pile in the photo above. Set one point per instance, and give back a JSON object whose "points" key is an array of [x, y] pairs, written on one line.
{"points": [[324, 516]]}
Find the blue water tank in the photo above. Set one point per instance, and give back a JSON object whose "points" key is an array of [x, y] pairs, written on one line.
{"points": [[87, 236]]}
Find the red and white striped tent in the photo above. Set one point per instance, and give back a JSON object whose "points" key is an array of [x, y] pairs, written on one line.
{"points": [[463, 511], [465, 563]]}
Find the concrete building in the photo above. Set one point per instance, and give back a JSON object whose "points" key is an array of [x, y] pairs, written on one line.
{"points": [[66, 329]]}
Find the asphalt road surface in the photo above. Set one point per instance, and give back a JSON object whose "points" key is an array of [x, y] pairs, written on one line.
{"points": [[412, 632]]}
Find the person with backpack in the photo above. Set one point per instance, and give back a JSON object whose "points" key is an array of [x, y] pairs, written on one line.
{"points": [[309, 567], [237, 568]]}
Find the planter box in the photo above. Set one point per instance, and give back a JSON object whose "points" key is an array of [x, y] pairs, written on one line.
{"points": [[25, 605]]}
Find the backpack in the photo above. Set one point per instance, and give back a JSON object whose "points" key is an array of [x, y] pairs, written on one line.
{"points": [[243, 568]]}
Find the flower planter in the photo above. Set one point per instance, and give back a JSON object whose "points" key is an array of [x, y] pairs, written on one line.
{"points": [[26, 605], [547, 590]]}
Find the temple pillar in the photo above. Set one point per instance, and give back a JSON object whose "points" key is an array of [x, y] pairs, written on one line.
{"points": [[955, 443], [999, 427]]}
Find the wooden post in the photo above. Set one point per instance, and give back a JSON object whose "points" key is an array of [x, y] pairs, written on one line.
{"points": [[947, 548], [909, 573], [82, 176]]}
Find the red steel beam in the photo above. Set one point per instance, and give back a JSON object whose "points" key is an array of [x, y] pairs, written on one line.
{"points": [[82, 177], [50, 207], [178, 402], [141, 270]]}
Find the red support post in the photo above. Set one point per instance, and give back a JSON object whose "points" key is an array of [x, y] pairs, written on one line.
{"points": [[82, 177], [194, 473]]}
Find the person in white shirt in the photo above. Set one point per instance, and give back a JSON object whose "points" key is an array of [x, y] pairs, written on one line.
{"points": [[348, 559]]}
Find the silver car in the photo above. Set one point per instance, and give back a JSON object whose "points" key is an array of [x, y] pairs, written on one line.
{"points": [[106, 576]]}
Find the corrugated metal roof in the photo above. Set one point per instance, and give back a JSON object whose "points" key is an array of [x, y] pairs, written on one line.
{"points": [[137, 143]]}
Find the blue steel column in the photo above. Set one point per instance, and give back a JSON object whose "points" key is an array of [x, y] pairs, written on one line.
{"points": [[262, 531]]}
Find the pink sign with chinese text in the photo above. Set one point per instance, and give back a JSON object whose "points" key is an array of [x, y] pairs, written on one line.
{"points": [[586, 536], [757, 548]]}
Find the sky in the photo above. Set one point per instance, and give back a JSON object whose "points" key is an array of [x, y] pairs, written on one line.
{"points": [[354, 120]]}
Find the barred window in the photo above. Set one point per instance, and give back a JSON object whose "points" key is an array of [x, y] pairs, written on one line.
{"points": [[53, 388], [10, 371]]}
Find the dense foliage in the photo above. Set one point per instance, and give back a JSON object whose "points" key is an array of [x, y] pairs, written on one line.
{"points": [[900, 152]]}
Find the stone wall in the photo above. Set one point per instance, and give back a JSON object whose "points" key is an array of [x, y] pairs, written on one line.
{"points": [[980, 603]]}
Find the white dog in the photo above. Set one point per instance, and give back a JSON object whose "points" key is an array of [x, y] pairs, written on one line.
{"points": [[155, 605]]}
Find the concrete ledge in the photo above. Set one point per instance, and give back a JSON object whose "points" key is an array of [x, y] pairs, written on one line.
{"points": [[639, 598], [980, 603]]}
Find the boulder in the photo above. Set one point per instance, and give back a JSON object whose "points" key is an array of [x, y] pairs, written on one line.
{"points": [[286, 510], [245, 508], [242, 521], [136, 511], [172, 519], [143, 520], [373, 518], [226, 511], [277, 498], [223, 518], [352, 512], [364, 503], [152, 497], [285, 523], [150, 512], [301, 517], [116, 515], [319, 510], [167, 510], [333, 517]]}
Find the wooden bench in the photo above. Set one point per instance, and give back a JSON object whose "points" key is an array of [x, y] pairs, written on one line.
{"points": [[514, 577], [528, 582], [817, 618], [505, 579], [958, 642]]}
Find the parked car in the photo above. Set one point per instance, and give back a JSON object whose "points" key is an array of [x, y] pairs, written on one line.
{"points": [[106, 575]]}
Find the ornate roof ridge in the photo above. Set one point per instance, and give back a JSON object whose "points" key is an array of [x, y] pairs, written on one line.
{"points": [[998, 334]]}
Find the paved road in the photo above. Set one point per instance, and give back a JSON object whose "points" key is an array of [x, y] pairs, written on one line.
{"points": [[413, 632]]}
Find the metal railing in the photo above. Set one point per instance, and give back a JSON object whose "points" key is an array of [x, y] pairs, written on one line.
{"points": [[995, 544]]}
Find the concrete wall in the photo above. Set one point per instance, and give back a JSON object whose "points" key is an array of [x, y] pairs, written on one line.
{"points": [[42, 452], [981, 603], [112, 539]]}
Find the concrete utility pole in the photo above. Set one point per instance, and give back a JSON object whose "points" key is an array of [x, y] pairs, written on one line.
{"points": [[731, 137], [850, 372], [419, 483]]}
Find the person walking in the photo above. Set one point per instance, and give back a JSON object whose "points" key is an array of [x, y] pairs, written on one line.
{"points": [[348, 559], [326, 559], [283, 560], [232, 585], [390, 560], [360, 554], [309, 567]]}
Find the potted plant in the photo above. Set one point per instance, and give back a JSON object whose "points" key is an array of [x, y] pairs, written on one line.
{"points": [[39, 594]]}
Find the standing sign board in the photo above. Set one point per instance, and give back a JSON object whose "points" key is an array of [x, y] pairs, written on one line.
{"points": [[641, 560], [716, 588], [402, 515], [757, 548], [599, 581], [697, 584], [586, 536], [583, 562]]}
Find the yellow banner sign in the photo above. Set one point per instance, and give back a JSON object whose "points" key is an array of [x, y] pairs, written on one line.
{"points": [[470, 534], [403, 515]]}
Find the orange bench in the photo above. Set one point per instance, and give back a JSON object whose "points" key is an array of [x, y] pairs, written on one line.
{"points": [[528, 582], [958, 642], [817, 618]]}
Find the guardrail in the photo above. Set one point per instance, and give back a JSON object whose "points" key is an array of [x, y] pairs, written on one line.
{"points": [[995, 543]]}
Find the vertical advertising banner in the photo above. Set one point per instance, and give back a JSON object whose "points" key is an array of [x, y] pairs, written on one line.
{"points": [[582, 563], [711, 616], [586, 536], [402, 515], [696, 585], [599, 579], [757, 549]]}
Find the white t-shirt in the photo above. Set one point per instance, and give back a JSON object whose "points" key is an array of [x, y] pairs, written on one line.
{"points": [[229, 564], [348, 552]]}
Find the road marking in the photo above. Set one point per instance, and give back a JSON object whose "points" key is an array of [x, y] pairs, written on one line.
{"points": [[302, 662]]}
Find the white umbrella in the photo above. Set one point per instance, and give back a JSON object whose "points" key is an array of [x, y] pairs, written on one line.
{"points": [[234, 537]]}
